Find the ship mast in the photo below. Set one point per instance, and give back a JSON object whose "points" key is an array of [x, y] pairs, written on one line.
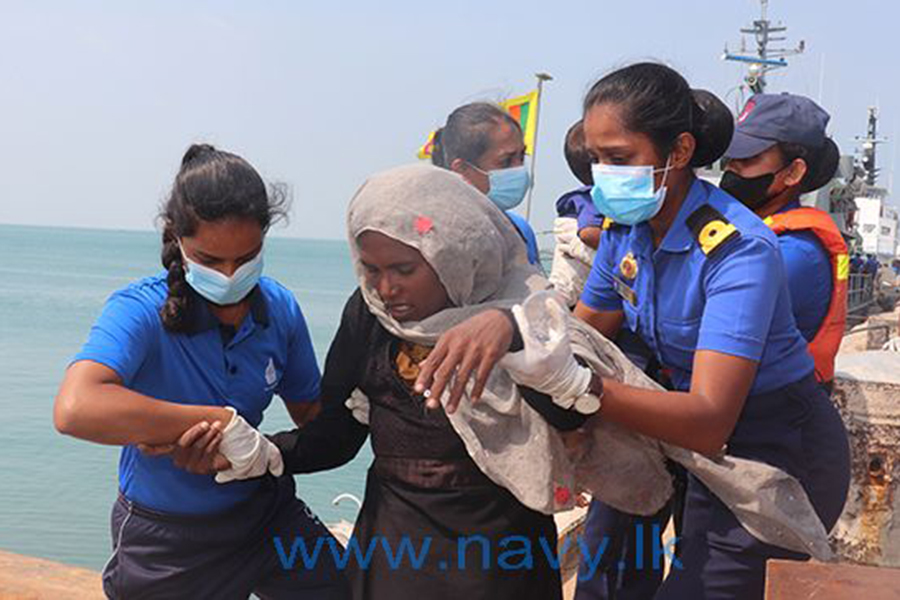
{"points": [[868, 145], [767, 57]]}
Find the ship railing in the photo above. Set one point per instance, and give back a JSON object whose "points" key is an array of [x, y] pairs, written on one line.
{"points": [[860, 296]]}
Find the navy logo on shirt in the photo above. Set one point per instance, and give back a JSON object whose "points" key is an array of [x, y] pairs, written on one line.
{"points": [[271, 374], [629, 266]]}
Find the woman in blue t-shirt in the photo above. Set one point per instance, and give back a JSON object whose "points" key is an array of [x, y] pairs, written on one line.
{"points": [[207, 341]]}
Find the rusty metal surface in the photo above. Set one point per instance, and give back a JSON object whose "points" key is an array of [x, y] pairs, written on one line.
{"points": [[789, 580], [867, 392]]}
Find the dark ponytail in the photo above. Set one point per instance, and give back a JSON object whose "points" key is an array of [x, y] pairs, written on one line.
{"points": [[467, 134], [210, 186], [657, 101]]}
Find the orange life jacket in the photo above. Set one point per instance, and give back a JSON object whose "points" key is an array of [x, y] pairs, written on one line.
{"points": [[825, 344]]}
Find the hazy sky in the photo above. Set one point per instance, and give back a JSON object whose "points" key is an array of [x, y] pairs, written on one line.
{"points": [[98, 100]]}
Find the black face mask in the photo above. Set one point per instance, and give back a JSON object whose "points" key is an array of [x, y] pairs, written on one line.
{"points": [[751, 191]]}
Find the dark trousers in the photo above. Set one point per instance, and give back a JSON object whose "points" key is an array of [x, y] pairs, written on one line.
{"points": [[795, 428], [222, 557]]}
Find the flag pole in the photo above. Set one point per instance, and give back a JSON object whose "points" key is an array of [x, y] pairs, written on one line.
{"points": [[541, 78]]}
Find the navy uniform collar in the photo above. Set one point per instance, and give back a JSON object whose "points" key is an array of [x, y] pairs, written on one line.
{"points": [[679, 237], [202, 319]]}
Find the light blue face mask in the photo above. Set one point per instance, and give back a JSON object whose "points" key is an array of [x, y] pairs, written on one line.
{"points": [[625, 193], [508, 186], [219, 288]]}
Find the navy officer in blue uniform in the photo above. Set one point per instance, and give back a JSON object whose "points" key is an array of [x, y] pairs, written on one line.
{"points": [[701, 280], [209, 341]]}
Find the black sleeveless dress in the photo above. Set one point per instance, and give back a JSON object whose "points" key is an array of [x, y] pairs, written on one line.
{"points": [[432, 526]]}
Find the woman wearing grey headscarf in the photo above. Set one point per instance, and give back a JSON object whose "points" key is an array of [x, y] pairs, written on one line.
{"points": [[430, 250]]}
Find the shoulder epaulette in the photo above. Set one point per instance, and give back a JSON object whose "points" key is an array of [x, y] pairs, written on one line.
{"points": [[710, 228]]}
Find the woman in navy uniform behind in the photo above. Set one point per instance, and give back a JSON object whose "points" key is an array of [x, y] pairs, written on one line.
{"points": [[484, 143], [701, 280]]}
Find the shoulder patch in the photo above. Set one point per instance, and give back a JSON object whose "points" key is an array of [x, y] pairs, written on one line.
{"points": [[711, 228]]}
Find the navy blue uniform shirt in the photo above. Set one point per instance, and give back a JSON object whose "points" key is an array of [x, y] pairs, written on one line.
{"points": [[270, 353], [734, 301]]}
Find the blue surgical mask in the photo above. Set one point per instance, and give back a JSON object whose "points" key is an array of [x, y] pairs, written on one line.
{"points": [[625, 193], [219, 288], [508, 186]]}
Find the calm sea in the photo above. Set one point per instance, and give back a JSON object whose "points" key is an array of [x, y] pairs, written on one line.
{"points": [[55, 491]]}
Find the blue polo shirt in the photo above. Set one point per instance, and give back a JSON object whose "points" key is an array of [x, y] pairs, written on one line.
{"points": [[734, 301], [808, 268], [579, 205], [270, 353], [528, 236]]}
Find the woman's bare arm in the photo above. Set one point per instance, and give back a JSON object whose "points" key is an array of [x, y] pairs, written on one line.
{"points": [[92, 404], [607, 322]]}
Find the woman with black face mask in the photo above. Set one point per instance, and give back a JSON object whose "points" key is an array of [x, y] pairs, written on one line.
{"points": [[779, 152]]}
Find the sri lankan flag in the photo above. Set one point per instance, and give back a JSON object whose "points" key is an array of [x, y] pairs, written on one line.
{"points": [[522, 108], [428, 147]]}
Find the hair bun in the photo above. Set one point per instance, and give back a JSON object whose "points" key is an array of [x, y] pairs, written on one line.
{"points": [[713, 126], [196, 151], [822, 165]]}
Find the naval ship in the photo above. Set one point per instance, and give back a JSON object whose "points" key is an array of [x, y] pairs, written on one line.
{"points": [[854, 199]]}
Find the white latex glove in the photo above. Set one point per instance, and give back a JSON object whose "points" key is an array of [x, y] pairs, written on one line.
{"points": [[248, 451], [566, 232], [564, 229], [358, 403], [892, 345], [546, 362], [580, 251]]}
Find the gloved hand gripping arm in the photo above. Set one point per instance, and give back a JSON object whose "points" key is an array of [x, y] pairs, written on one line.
{"points": [[546, 362], [250, 453]]}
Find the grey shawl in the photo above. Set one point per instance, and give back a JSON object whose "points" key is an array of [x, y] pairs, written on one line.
{"points": [[481, 261]]}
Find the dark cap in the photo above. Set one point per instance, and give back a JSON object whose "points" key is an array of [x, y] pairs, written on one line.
{"points": [[768, 119]]}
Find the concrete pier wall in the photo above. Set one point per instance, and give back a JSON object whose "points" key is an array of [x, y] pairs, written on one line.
{"points": [[27, 578]]}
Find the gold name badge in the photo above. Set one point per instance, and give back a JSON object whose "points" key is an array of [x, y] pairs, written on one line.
{"points": [[624, 291]]}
